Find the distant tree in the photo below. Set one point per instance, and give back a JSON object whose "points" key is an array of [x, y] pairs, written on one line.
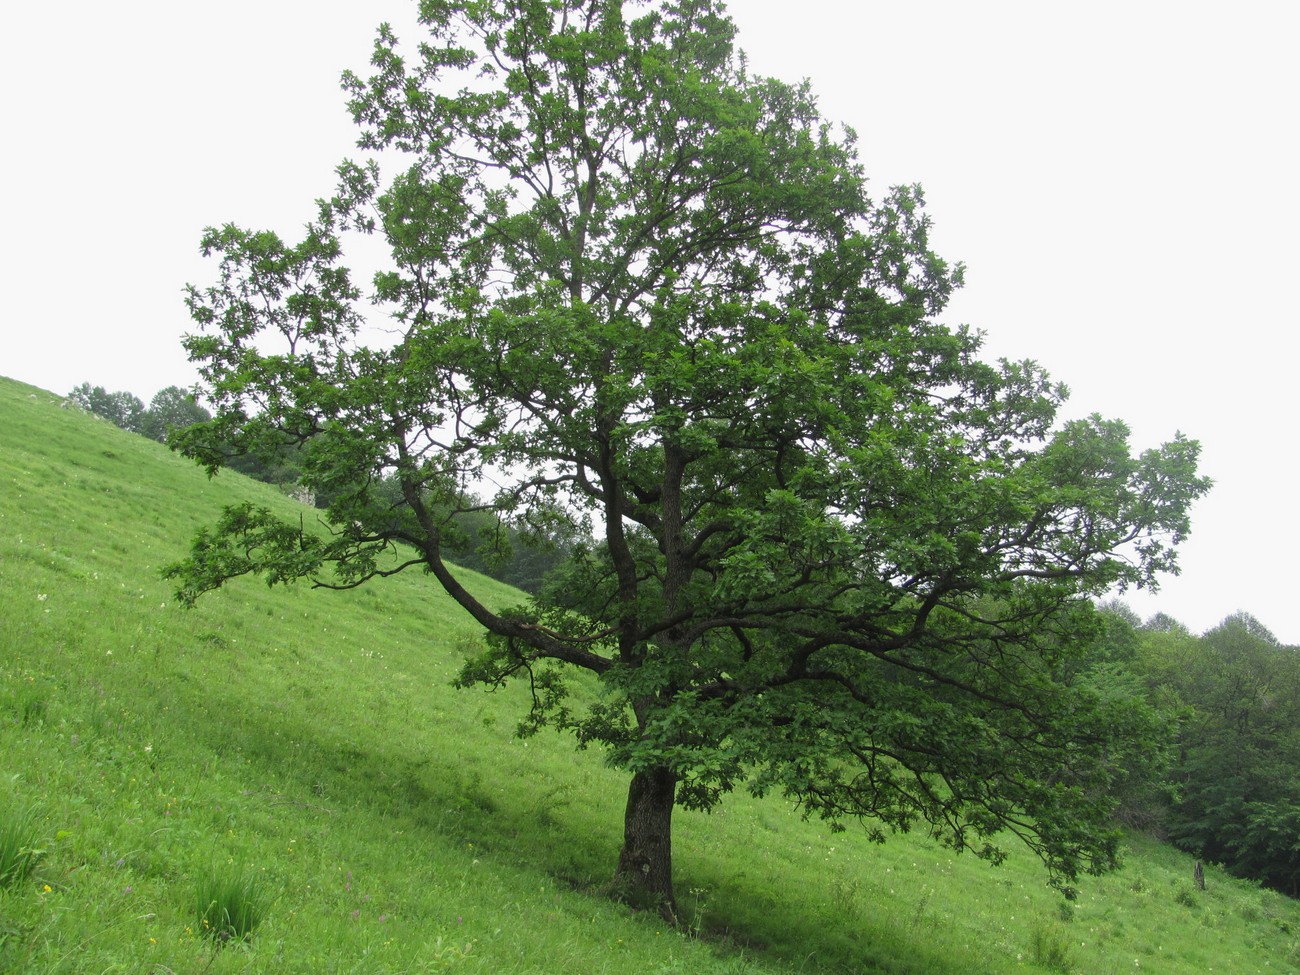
{"points": [[520, 554], [1119, 641], [829, 552], [1239, 794], [172, 408], [121, 408], [1164, 623], [282, 468], [1122, 666]]}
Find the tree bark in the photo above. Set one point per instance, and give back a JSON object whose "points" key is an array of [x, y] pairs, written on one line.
{"points": [[644, 877]]}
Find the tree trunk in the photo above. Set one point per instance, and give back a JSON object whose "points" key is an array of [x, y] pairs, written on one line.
{"points": [[644, 877]]}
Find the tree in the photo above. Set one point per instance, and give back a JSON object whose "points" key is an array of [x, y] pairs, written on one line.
{"points": [[830, 553], [171, 408], [1124, 665], [1239, 801], [522, 555], [121, 408]]}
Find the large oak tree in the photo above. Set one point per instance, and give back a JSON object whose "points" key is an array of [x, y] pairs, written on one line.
{"points": [[637, 291]]}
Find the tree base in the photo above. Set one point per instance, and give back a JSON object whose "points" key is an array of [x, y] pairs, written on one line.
{"points": [[644, 877]]}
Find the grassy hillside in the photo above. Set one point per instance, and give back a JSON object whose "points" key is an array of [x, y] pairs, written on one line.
{"points": [[307, 744]]}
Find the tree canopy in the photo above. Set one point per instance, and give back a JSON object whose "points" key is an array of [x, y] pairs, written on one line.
{"points": [[172, 408], [1238, 799], [121, 408], [641, 293]]}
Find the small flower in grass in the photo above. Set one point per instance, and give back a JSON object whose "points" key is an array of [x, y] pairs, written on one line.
{"points": [[42, 596]]}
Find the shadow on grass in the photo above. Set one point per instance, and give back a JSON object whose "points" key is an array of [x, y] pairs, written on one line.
{"points": [[526, 817]]}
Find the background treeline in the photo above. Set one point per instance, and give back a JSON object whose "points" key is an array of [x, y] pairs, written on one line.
{"points": [[520, 555], [171, 408], [1224, 786], [1230, 793]]}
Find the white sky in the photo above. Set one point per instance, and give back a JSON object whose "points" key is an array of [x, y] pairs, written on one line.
{"points": [[1119, 178]]}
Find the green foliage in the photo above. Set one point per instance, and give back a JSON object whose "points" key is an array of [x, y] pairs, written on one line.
{"points": [[20, 850], [122, 409], [826, 551], [521, 555], [1238, 796], [1140, 784], [172, 408]]}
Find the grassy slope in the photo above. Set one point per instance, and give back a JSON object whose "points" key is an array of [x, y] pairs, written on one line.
{"points": [[312, 738]]}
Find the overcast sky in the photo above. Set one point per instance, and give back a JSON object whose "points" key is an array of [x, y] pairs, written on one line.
{"points": [[1118, 177]]}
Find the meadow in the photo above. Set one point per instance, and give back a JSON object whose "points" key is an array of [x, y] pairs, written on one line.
{"points": [[302, 756]]}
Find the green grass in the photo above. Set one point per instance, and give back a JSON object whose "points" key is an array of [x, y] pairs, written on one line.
{"points": [[230, 902], [20, 850], [306, 746]]}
